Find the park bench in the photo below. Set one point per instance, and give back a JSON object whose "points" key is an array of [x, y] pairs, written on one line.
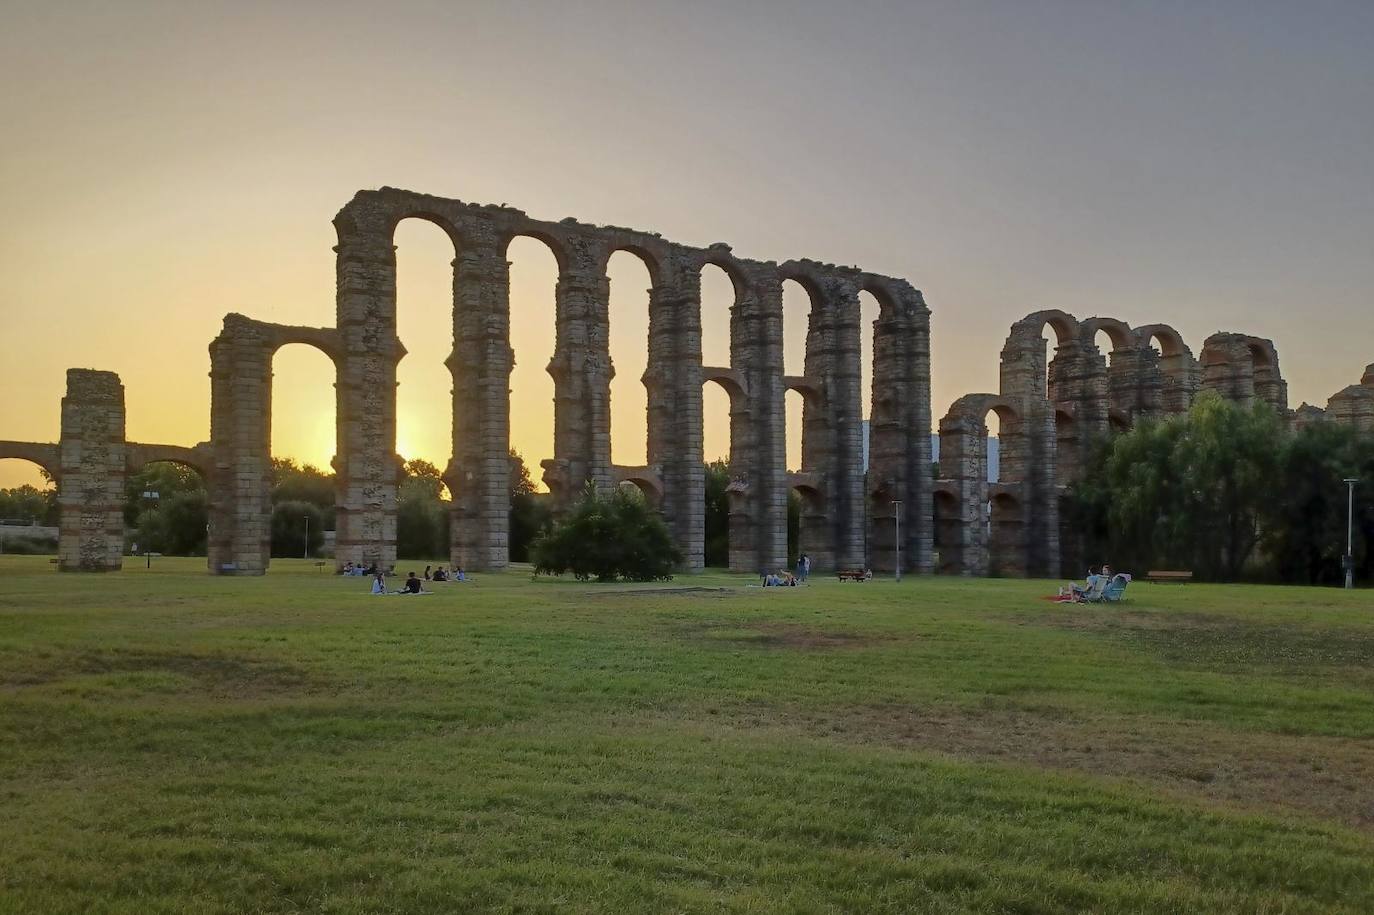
{"points": [[1177, 578], [852, 575]]}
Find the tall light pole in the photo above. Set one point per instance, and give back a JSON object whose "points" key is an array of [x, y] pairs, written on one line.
{"points": [[1350, 533], [307, 537], [897, 518]]}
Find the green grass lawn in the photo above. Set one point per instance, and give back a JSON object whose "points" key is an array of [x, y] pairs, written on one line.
{"points": [[173, 742]]}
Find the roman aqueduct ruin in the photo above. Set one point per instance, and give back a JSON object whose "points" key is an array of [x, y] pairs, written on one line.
{"points": [[1051, 411]]}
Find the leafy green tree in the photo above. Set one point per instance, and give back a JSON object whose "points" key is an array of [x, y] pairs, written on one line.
{"points": [[174, 521], [289, 524], [530, 513], [30, 505], [1189, 491], [292, 482], [421, 512], [608, 537], [717, 547], [1305, 518]]}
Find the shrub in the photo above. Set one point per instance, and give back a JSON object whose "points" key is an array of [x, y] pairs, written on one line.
{"points": [[24, 545], [607, 537]]}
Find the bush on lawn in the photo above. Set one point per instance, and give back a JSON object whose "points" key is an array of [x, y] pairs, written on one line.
{"points": [[607, 537]]}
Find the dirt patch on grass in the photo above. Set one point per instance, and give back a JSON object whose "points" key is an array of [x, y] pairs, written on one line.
{"points": [[213, 674], [1329, 777], [775, 634], [1221, 642]]}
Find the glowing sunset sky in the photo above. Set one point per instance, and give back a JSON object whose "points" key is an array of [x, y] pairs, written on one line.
{"points": [[1207, 165]]}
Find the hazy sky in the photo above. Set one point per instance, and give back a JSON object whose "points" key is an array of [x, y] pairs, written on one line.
{"points": [[1208, 165]]}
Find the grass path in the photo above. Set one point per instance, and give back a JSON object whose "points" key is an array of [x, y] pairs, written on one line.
{"points": [[174, 742]]}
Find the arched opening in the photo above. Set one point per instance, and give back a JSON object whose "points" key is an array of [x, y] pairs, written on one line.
{"points": [[533, 335], [29, 515], [993, 420], [629, 318], [796, 319], [642, 489], [949, 554], [16, 472], [1105, 345], [1006, 536], [806, 526], [869, 312], [303, 442], [717, 507], [794, 405], [424, 324], [717, 300], [167, 511]]}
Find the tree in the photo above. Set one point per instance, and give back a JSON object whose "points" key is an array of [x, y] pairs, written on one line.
{"points": [[717, 547], [289, 524], [303, 483], [530, 514], [1305, 524], [421, 512], [608, 537], [1188, 491], [174, 521], [30, 505]]}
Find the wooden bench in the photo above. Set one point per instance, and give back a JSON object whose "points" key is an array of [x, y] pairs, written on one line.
{"points": [[1177, 578], [852, 575]]}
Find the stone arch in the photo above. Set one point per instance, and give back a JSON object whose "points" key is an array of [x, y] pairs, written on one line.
{"points": [[645, 481], [198, 458], [1180, 373], [1064, 325], [45, 456], [1119, 332], [1170, 340]]}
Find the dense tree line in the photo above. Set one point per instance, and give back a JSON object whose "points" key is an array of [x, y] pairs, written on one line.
{"points": [[1227, 492]]}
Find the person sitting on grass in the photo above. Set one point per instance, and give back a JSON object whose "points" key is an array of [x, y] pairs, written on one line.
{"points": [[427, 574], [459, 576], [412, 585], [378, 584], [440, 574]]}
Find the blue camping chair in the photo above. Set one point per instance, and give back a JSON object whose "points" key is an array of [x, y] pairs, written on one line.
{"points": [[1113, 593]]}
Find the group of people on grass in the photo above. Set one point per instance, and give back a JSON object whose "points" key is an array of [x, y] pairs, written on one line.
{"points": [[413, 583], [785, 579], [1092, 587]]}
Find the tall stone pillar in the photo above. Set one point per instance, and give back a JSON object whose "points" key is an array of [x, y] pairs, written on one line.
{"points": [[899, 433], [581, 371], [240, 535], [90, 491], [478, 476], [964, 464], [673, 382], [832, 438], [365, 464], [758, 445], [1025, 382]]}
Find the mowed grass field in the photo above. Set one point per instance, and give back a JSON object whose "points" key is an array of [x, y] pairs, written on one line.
{"points": [[173, 742]]}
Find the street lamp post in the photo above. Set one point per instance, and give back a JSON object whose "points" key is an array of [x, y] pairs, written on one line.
{"points": [[897, 533], [151, 496], [307, 536], [1350, 533]]}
